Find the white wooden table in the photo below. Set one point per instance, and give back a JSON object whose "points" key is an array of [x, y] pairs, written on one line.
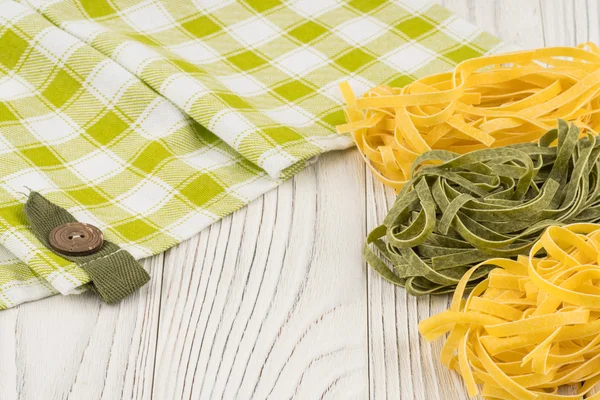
{"points": [[275, 301]]}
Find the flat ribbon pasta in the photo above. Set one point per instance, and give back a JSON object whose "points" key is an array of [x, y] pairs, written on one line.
{"points": [[458, 210], [533, 325], [489, 101]]}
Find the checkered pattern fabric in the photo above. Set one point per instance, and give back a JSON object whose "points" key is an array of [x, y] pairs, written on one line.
{"points": [[151, 119]]}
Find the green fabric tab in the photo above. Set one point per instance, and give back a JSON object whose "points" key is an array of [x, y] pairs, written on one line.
{"points": [[114, 273], [489, 203]]}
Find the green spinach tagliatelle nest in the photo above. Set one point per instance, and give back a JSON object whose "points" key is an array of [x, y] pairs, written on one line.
{"points": [[459, 210]]}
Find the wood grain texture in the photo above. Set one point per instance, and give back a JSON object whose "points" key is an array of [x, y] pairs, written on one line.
{"points": [[80, 348], [273, 301]]}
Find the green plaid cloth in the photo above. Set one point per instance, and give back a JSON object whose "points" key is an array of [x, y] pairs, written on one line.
{"points": [[153, 119]]}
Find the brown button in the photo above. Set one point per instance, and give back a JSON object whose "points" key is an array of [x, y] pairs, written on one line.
{"points": [[76, 239]]}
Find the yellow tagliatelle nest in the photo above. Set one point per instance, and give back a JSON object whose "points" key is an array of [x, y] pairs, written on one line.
{"points": [[533, 325], [489, 101]]}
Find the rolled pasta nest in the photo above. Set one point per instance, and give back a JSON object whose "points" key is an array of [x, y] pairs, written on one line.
{"points": [[533, 325], [491, 101], [458, 210]]}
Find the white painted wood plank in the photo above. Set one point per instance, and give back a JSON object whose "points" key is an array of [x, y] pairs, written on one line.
{"points": [[8, 354], [78, 348], [568, 23], [402, 364], [271, 301], [514, 21]]}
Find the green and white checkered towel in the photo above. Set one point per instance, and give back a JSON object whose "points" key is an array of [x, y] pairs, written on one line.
{"points": [[152, 119]]}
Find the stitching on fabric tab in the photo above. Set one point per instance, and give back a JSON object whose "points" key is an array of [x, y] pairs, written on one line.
{"points": [[99, 258]]}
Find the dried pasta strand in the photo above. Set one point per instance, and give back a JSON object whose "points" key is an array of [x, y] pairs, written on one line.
{"points": [[458, 210], [490, 101], [518, 349]]}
